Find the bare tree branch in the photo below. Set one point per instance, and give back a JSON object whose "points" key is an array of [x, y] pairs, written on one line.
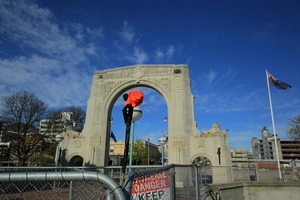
{"points": [[294, 127], [21, 113]]}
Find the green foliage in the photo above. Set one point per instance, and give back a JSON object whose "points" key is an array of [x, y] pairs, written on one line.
{"points": [[47, 154], [140, 153], [294, 127]]}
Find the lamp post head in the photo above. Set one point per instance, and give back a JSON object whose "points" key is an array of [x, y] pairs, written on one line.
{"points": [[137, 113], [162, 140], [59, 138], [165, 118]]}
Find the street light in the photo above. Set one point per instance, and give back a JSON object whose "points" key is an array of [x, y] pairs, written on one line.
{"points": [[162, 141], [136, 115], [149, 150], [58, 138]]}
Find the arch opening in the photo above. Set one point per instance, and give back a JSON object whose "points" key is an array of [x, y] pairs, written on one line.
{"points": [[202, 161], [145, 129], [76, 161]]}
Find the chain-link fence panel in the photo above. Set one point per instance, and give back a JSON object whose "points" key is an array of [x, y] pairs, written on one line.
{"points": [[187, 182], [250, 174], [267, 175], [89, 190], [79, 185], [205, 175], [243, 174], [33, 190]]}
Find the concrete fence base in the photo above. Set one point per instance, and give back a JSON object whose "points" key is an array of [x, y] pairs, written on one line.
{"points": [[258, 190]]}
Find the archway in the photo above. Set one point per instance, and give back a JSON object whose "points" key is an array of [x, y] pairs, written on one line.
{"points": [[173, 83], [76, 161], [202, 161]]}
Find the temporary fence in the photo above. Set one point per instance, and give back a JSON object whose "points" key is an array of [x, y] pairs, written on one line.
{"points": [[168, 182], [73, 185], [255, 174], [142, 182]]}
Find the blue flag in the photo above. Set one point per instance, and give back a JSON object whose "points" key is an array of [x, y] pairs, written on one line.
{"points": [[277, 83], [112, 135]]}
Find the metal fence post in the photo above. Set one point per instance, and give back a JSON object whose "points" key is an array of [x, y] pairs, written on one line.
{"points": [[256, 175], [196, 182], [173, 187]]}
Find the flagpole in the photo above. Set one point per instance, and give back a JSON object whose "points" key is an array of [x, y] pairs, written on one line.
{"points": [[273, 124]]}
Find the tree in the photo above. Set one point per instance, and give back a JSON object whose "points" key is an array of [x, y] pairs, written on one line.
{"points": [[294, 127], [47, 154], [78, 117], [140, 152], [21, 113]]}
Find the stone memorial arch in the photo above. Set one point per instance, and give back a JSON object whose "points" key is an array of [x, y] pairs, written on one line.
{"points": [[185, 142]]}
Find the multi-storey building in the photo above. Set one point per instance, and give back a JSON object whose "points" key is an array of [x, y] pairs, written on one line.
{"points": [[240, 157], [290, 149], [265, 148], [54, 126]]}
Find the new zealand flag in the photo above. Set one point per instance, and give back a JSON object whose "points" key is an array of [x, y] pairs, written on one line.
{"points": [[277, 83]]}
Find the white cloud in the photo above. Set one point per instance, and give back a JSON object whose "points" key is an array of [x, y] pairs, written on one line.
{"points": [[51, 62], [127, 34], [91, 49], [96, 33], [210, 77], [170, 52], [163, 54], [78, 31], [159, 54], [138, 57], [33, 26]]}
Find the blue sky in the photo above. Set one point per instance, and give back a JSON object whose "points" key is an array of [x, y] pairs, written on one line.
{"points": [[53, 47]]}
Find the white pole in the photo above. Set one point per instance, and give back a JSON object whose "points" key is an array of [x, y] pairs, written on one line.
{"points": [[57, 154], [273, 124], [163, 155]]}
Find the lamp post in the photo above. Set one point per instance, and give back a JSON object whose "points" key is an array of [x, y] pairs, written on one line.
{"points": [[162, 141], [149, 150], [219, 154], [58, 138], [136, 115]]}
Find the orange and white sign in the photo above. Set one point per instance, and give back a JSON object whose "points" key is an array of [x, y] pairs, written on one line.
{"points": [[154, 187]]}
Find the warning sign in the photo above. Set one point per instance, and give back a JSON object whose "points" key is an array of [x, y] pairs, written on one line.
{"points": [[154, 187]]}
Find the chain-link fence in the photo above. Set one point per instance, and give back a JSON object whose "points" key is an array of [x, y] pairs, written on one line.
{"points": [[58, 183], [252, 174], [175, 181]]}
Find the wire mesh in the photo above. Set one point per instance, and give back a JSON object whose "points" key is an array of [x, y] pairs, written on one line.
{"points": [[58, 184]]}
